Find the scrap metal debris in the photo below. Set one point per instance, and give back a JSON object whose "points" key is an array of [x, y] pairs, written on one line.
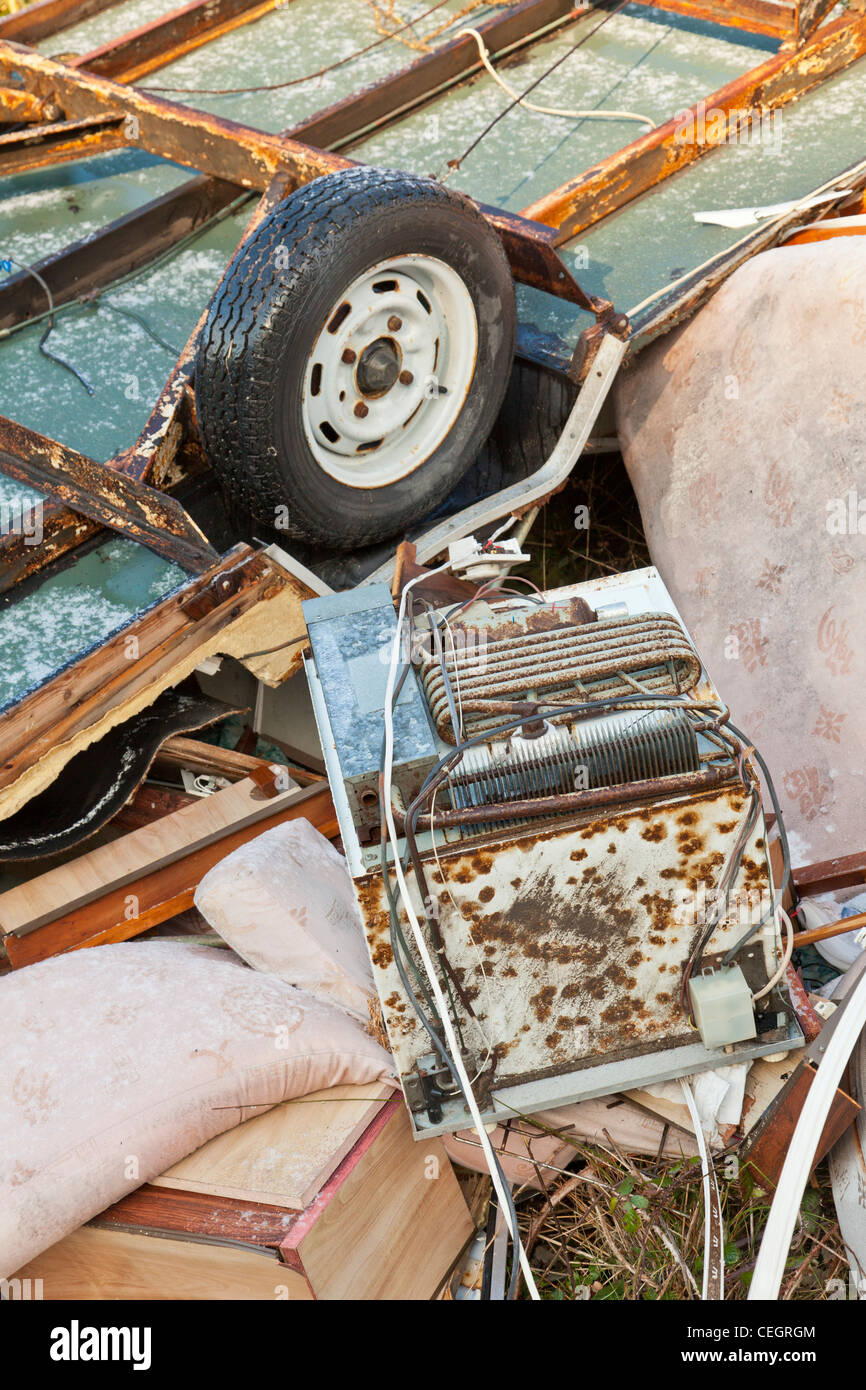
{"points": [[546, 883]]}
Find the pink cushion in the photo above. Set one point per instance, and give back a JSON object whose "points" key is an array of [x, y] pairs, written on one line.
{"points": [[120, 1060], [284, 902], [744, 434]]}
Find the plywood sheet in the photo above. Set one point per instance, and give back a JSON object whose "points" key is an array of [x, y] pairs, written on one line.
{"points": [[284, 1157]]}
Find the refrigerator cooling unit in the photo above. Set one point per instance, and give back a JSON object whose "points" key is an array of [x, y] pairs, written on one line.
{"points": [[568, 805]]}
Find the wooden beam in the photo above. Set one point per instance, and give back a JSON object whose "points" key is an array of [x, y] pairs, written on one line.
{"points": [[129, 56], [71, 886], [198, 756], [766, 1148], [105, 496], [585, 200], [49, 17], [154, 897], [846, 871]]}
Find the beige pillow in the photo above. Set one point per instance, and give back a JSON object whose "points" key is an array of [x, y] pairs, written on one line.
{"points": [[285, 903], [120, 1060]]}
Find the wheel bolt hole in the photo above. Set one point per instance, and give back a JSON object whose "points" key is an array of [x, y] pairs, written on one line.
{"points": [[344, 309]]}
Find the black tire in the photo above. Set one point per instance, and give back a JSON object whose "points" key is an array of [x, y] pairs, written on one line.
{"points": [[267, 314]]}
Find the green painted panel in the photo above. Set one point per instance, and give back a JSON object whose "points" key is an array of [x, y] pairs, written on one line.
{"points": [[76, 609]]}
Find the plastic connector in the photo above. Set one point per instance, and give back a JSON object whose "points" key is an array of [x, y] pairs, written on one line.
{"points": [[469, 559], [722, 1007]]}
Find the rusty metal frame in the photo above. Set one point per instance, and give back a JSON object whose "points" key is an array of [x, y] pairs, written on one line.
{"points": [[93, 112]]}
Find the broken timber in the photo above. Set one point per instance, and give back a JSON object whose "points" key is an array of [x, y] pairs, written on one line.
{"points": [[245, 606]]}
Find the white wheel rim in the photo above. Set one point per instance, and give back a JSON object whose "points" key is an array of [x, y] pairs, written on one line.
{"points": [[390, 371]]}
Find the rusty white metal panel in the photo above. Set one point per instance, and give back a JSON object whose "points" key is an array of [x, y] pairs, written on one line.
{"points": [[569, 941]]}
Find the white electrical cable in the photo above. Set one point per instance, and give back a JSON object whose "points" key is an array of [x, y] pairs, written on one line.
{"points": [[786, 955], [597, 115], [448, 1026], [773, 1254], [708, 1174]]}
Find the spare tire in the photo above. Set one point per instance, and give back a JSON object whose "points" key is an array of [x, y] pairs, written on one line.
{"points": [[355, 356]]}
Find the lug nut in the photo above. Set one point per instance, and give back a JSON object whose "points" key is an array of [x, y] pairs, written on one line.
{"points": [[361, 410], [406, 378], [394, 323], [348, 356]]}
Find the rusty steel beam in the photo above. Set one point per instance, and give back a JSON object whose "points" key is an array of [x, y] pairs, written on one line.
{"points": [[153, 457], [131, 241], [584, 200], [809, 15], [128, 244], [391, 98], [222, 148], [36, 146], [131, 55], [104, 495], [17, 107], [48, 17], [775, 18]]}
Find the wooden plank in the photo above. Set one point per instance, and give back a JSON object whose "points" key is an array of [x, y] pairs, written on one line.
{"points": [[97, 1263], [109, 867], [128, 911], [150, 1209], [247, 606], [198, 756], [396, 1206], [149, 803], [767, 1146], [608, 186], [284, 1157], [389, 1224], [49, 17], [129, 56], [844, 871], [95, 490]]}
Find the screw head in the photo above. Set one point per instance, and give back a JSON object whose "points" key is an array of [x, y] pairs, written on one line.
{"points": [[348, 356], [406, 378], [394, 323], [361, 410]]}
